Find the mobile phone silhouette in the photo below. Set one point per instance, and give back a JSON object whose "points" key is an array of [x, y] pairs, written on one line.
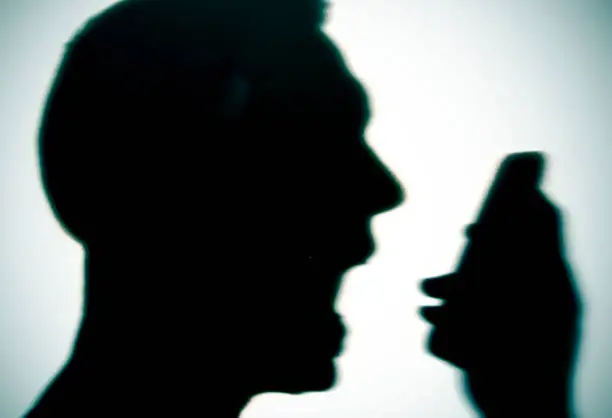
{"points": [[517, 180]]}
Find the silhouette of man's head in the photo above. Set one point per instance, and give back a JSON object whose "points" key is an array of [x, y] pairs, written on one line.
{"points": [[210, 157]]}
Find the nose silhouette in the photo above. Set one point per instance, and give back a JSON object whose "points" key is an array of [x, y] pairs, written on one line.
{"points": [[384, 190]]}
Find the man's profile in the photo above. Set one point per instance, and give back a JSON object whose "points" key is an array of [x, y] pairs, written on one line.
{"points": [[210, 158]]}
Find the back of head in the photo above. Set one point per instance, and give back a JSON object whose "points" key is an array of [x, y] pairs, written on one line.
{"points": [[147, 97]]}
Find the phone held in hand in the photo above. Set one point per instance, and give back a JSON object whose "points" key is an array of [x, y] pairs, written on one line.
{"points": [[518, 178]]}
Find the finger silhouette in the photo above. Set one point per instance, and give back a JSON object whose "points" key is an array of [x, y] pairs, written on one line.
{"points": [[438, 287]]}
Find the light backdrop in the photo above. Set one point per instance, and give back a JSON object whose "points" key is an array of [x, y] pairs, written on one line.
{"points": [[455, 85]]}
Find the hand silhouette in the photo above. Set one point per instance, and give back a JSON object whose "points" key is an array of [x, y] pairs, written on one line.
{"points": [[509, 317]]}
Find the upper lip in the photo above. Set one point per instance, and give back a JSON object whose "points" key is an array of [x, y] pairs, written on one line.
{"points": [[353, 258], [365, 251], [352, 250]]}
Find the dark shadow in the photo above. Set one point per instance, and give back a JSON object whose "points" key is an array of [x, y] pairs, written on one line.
{"points": [[510, 317], [210, 158]]}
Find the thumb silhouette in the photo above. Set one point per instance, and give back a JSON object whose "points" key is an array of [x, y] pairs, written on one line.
{"points": [[509, 317]]}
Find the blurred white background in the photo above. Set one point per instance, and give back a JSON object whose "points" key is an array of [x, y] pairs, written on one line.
{"points": [[455, 86]]}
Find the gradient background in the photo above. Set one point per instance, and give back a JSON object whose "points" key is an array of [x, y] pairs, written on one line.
{"points": [[454, 88]]}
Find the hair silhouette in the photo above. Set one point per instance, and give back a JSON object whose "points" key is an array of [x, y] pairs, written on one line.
{"points": [[510, 317], [210, 158]]}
